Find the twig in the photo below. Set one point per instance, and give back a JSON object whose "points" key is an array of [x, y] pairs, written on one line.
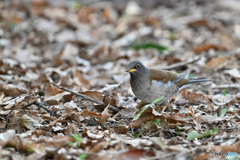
{"points": [[29, 104], [41, 106], [180, 64], [86, 97]]}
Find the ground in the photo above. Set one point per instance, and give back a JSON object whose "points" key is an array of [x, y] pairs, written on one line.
{"points": [[64, 92]]}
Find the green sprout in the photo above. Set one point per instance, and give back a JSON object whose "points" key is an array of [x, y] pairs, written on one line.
{"points": [[77, 138], [145, 46], [83, 156]]}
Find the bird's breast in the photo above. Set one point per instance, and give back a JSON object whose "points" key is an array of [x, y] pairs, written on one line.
{"points": [[150, 90]]}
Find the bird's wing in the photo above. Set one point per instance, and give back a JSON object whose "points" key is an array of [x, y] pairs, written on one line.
{"points": [[179, 77], [164, 76]]}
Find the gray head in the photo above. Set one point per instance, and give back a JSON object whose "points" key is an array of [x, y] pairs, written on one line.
{"points": [[136, 68]]}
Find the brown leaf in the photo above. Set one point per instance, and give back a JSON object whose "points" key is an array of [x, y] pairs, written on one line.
{"points": [[96, 148], [175, 118], [147, 115], [192, 97], [38, 148], [58, 141], [207, 47], [2, 123], [39, 3], [227, 41], [94, 94], [222, 62], [50, 90], [82, 81], [37, 6], [57, 61], [88, 113], [72, 129], [202, 22], [172, 60], [13, 90], [137, 154], [120, 130], [105, 115]]}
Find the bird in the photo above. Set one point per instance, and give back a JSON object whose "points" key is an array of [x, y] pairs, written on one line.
{"points": [[151, 84]]}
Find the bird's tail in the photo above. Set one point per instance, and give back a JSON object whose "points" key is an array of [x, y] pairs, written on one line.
{"points": [[199, 79]]}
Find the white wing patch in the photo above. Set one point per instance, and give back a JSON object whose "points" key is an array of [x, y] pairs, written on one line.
{"points": [[160, 84]]}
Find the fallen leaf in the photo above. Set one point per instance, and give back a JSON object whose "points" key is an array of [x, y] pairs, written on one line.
{"points": [[6, 137], [233, 72], [192, 97], [207, 47], [105, 115], [120, 130], [95, 134], [202, 22], [137, 154], [222, 62]]}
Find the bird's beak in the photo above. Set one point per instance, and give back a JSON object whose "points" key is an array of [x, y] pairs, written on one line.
{"points": [[130, 70]]}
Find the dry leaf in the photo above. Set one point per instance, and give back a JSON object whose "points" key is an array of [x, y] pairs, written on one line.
{"points": [[207, 47], [192, 97], [105, 115], [222, 62]]}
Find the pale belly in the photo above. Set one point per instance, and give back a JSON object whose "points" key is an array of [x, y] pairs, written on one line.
{"points": [[158, 89]]}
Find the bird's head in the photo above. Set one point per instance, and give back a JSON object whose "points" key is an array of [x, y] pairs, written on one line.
{"points": [[136, 68]]}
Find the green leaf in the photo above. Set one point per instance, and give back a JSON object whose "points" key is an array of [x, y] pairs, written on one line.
{"points": [[172, 36], [207, 133], [223, 112], [8, 146], [145, 46], [142, 130], [76, 137], [224, 92], [70, 143], [29, 149], [83, 156], [156, 121], [135, 135], [183, 129], [193, 135], [148, 107], [214, 130]]}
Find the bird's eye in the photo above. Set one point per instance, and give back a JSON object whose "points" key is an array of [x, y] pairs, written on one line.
{"points": [[137, 66]]}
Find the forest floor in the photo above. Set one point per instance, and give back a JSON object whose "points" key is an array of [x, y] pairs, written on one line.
{"points": [[64, 92]]}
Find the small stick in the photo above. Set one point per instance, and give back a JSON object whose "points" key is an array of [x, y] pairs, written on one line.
{"points": [[41, 106], [86, 97]]}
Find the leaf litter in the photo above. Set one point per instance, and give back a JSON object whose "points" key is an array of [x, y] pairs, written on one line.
{"points": [[64, 93]]}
